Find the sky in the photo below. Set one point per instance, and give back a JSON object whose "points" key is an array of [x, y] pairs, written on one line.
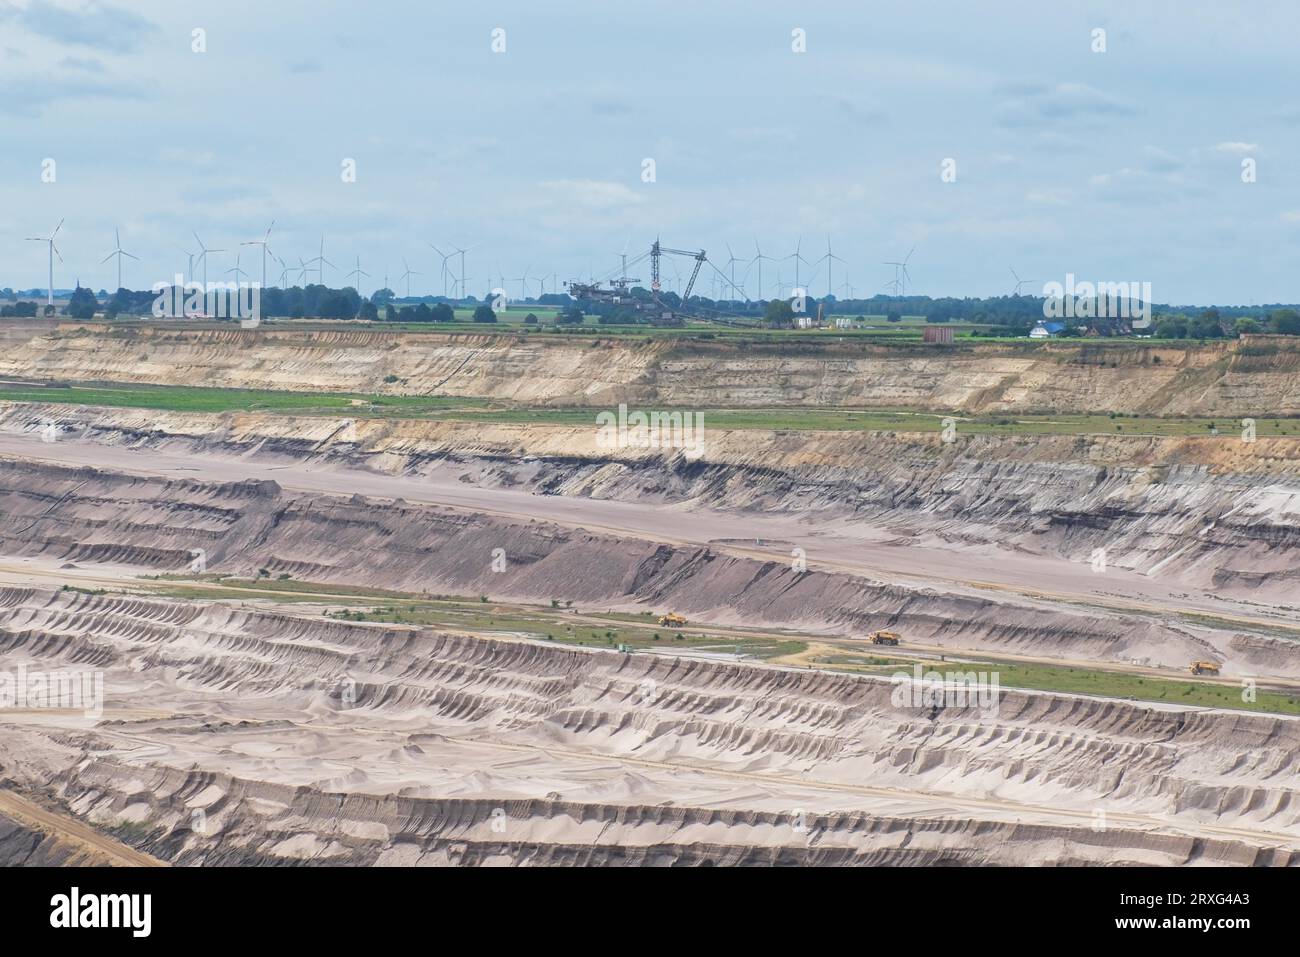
{"points": [[1121, 165]]}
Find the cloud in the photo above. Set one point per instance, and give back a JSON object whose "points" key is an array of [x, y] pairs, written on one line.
{"points": [[30, 97], [593, 193], [859, 112], [92, 24], [1039, 106], [1143, 187], [609, 106], [83, 64], [1291, 216], [1233, 146], [1161, 160], [307, 65]]}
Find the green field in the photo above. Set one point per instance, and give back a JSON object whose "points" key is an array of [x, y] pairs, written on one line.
{"points": [[1117, 685], [564, 624], [1107, 684], [198, 399], [559, 623]]}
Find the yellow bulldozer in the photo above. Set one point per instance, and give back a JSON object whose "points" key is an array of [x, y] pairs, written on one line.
{"points": [[1203, 668], [672, 619], [884, 638]]}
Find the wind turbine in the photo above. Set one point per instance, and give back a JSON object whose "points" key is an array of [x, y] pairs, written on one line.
{"points": [[261, 242], [358, 273], [445, 257], [321, 262], [284, 272], [189, 277], [731, 265], [523, 284], [1019, 282], [203, 256], [53, 252], [119, 252], [830, 259], [407, 276], [236, 270], [461, 253], [797, 256], [758, 258], [303, 271], [901, 275]]}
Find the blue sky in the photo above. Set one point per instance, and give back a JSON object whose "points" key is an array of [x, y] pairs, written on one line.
{"points": [[1123, 165]]}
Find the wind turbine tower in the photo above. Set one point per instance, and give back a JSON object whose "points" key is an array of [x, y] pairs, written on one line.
{"points": [[830, 259], [204, 257], [358, 273], [262, 242], [53, 252], [901, 275], [119, 252], [407, 276]]}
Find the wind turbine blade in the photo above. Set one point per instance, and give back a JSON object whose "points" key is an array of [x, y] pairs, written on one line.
{"points": [[56, 229], [56, 251], [107, 258], [128, 255]]}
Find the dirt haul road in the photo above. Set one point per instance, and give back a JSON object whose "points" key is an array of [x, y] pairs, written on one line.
{"points": [[73, 832], [861, 549]]}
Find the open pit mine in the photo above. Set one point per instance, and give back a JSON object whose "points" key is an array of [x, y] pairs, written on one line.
{"points": [[470, 632]]}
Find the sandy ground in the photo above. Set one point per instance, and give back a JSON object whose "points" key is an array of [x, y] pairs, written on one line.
{"points": [[231, 712], [856, 548], [235, 711], [73, 832]]}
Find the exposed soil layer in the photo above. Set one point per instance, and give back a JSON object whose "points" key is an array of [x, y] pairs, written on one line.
{"points": [[1214, 513], [238, 736], [1252, 377], [78, 515]]}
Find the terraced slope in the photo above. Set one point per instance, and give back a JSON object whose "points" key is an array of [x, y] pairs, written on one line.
{"points": [[1257, 376], [235, 736]]}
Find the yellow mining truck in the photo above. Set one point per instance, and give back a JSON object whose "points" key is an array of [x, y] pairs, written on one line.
{"points": [[884, 637], [1203, 668], [672, 619]]}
